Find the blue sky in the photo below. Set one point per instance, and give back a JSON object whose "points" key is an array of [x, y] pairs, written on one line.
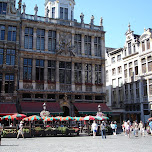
{"points": [[116, 16]]}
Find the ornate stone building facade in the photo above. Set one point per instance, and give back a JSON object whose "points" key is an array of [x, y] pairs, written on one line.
{"points": [[51, 59], [128, 77]]}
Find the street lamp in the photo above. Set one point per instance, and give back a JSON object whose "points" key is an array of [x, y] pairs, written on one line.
{"points": [[44, 106], [99, 108]]}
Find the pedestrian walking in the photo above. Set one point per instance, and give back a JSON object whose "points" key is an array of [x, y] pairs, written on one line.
{"points": [[136, 129], [115, 127], [20, 131], [128, 129], [123, 127], [112, 127], [94, 128], [150, 125], [142, 128], [103, 130], [1, 130]]}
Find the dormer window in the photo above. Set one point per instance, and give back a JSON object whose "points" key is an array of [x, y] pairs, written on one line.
{"points": [[63, 13], [3, 7], [129, 48], [148, 44], [143, 46], [53, 12]]}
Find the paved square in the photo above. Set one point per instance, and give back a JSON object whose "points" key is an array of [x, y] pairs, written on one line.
{"points": [[119, 143]]}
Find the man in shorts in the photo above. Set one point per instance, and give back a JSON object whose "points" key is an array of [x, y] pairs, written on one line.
{"points": [[94, 128], [20, 131]]}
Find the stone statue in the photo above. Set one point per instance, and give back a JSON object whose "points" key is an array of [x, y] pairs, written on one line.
{"points": [[82, 18], [101, 21], [24, 7], [92, 20], [19, 5], [12, 7], [36, 9], [47, 12]]}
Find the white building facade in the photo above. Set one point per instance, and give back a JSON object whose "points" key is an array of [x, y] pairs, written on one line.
{"points": [[128, 78]]}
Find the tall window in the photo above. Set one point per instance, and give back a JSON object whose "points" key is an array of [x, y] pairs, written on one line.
{"points": [[52, 41], [28, 43], [114, 71], [143, 46], [119, 57], [119, 82], [145, 87], [125, 70], [39, 70], [149, 63], [65, 72], [150, 86], [9, 83], [2, 32], [11, 33], [137, 89], [77, 43], [88, 73], [114, 83], [10, 57], [51, 70], [66, 13], [61, 13], [27, 69], [0, 82], [98, 75], [126, 91], [53, 12], [97, 46], [136, 67], [3, 7], [119, 70], [148, 44], [87, 45], [40, 39], [129, 48], [113, 60], [71, 15], [1, 56], [143, 62], [78, 72]]}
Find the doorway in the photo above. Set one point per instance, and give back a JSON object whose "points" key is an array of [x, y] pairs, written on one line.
{"points": [[66, 111]]}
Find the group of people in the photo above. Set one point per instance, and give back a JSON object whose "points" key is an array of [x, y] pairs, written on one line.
{"points": [[134, 127]]}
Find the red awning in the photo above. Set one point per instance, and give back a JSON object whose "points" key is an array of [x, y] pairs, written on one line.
{"points": [[7, 108], [37, 107], [91, 107]]}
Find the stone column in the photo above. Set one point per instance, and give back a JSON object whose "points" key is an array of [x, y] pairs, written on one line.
{"points": [[92, 46], [22, 38], [57, 36], [18, 34], [83, 77], [103, 78], [82, 44], [72, 39], [73, 83], [45, 74], [34, 38], [6, 32], [34, 73], [15, 83], [46, 40], [93, 78], [103, 46], [21, 74], [57, 76], [3, 84]]}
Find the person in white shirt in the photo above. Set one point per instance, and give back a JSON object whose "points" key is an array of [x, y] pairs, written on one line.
{"points": [[94, 128]]}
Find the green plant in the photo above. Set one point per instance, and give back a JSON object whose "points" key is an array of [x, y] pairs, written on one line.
{"points": [[63, 129], [49, 128], [25, 130], [38, 129]]}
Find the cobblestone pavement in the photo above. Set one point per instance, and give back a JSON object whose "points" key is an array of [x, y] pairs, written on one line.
{"points": [[119, 143]]}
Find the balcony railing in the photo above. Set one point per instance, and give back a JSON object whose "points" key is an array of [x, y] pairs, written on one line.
{"points": [[61, 22]]}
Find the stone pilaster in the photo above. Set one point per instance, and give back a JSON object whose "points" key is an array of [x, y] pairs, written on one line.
{"points": [[15, 83], [34, 38], [73, 83], [22, 38], [21, 74], [83, 77], [57, 75], [82, 45], [93, 77], [3, 84], [33, 72], [72, 39], [46, 40], [103, 46], [6, 32], [18, 34], [92, 46], [45, 74]]}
